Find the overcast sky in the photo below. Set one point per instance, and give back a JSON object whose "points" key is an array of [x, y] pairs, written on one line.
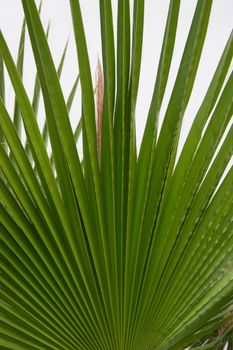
{"points": [[58, 12]]}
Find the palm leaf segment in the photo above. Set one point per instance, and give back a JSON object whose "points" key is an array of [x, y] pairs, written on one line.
{"points": [[123, 249]]}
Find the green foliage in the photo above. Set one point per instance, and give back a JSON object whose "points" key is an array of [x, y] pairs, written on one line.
{"points": [[126, 249]]}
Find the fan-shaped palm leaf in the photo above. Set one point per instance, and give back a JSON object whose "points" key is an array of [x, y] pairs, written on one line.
{"points": [[121, 249]]}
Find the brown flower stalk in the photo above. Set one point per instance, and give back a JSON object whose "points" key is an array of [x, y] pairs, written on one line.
{"points": [[99, 104]]}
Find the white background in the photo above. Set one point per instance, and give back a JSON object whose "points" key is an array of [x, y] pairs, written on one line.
{"points": [[58, 12]]}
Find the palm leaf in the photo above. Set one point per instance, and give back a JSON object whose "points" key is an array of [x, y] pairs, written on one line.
{"points": [[123, 249]]}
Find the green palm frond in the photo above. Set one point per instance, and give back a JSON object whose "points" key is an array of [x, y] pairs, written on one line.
{"points": [[125, 249]]}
